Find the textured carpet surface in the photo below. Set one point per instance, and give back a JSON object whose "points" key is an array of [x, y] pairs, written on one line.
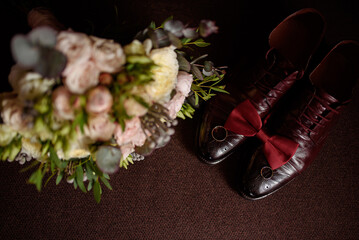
{"points": [[171, 194]]}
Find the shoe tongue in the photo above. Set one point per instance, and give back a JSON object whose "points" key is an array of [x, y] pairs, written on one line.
{"points": [[329, 99], [278, 62]]}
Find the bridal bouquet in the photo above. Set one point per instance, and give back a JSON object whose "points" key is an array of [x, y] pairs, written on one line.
{"points": [[83, 106]]}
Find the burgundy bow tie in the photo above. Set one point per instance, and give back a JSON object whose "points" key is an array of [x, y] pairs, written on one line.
{"points": [[244, 120]]}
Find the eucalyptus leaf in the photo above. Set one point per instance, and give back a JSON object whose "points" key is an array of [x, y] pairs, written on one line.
{"points": [[184, 65], [43, 36], [190, 33], [175, 40], [196, 72], [174, 26], [159, 38], [24, 52], [108, 158], [207, 27], [51, 64]]}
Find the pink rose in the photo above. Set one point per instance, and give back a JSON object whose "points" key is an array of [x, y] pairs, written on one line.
{"points": [[76, 46], [61, 102], [100, 128], [108, 55], [99, 100], [184, 83], [133, 133], [13, 116], [80, 77], [174, 105]]}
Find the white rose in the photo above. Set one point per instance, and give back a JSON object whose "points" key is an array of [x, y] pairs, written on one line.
{"points": [[80, 77], [165, 75], [100, 128], [108, 55], [76, 46]]}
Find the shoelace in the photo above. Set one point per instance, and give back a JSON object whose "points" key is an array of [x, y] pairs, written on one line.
{"points": [[314, 117], [269, 76]]}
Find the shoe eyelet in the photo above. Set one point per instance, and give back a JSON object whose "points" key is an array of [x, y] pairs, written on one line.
{"points": [[219, 133], [267, 172]]}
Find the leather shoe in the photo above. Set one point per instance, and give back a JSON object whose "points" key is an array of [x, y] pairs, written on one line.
{"points": [[291, 43], [307, 121]]}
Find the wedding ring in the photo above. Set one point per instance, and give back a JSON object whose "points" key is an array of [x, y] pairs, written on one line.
{"points": [[219, 133]]}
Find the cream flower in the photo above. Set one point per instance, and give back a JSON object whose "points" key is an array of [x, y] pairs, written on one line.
{"points": [[76, 46], [99, 100], [80, 77], [61, 102], [165, 75], [29, 85], [78, 147], [6, 135], [100, 128], [31, 147], [108, 55], [174, 105], [131, 137], [133, 108]]}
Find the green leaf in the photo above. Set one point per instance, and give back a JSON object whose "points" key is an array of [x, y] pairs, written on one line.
{"points": [[90, 185], [97, 191], [106, 182], [59, 178], [36, 178], [152, 25], [201, 43], [219, 90], [141, 101], [54, 158], [80, 178], [185, 40], [181, 115], [89, 172], [196, 99]]}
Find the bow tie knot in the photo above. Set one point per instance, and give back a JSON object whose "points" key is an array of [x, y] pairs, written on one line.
{"points": [[245, 120]]}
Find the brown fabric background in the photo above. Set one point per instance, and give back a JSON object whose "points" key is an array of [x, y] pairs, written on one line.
{"points": [[172, 195]]}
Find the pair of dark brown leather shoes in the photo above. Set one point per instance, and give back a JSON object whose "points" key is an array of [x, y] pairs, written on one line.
{"points": [[291, 43], [293, 135]]}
